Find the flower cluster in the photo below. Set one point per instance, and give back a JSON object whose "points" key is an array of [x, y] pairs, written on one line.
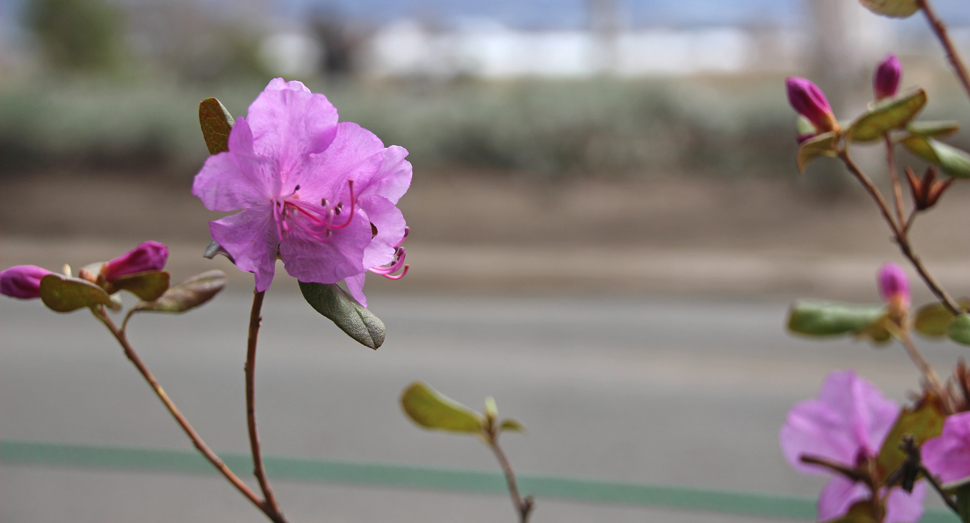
{"points": [[318, 194]]}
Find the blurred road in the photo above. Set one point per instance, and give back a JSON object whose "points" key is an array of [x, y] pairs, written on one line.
{"points": [[627, 388]]}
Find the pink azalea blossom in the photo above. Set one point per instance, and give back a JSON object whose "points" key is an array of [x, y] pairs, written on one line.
{"points": [[148, 256], [22, 281], [849, 420], [885, 80], [318, 194], [809, 101], [948, 455], [894, 285]]}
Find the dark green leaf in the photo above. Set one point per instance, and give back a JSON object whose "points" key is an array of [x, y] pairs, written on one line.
{"points": [[146, 285], [824, 144], [216, 123], [951, 160], [432, 410], [933, 129], [860, 512], [892, 8], [924, 421], [510, 425], [959, 329], [884, 116], [352, 317], [187, 295], [820, 318], [62, 294]]}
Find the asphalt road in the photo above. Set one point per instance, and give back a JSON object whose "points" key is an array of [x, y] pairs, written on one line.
{"points": [[631, 389]]}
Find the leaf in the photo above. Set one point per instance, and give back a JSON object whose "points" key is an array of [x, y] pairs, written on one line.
{"points": [[951, 160], [820, 318], [885, 116], [187, 295], [859, 512], [510, 425], [352, 317], [432, 410], [491, 409], [823, 144], [934, 129], [933, 319], [216, 123], [62, 294], [963, 503], [146, 285], [891, 8], [924, 421], [959, 329]]}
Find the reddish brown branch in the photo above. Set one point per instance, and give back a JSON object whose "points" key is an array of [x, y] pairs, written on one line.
{"points": [[951, 51]]}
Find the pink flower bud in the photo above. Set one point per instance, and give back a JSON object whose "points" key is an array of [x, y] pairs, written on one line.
{"points": [[894, 285], [22, 281], [885, 81], [809, 101], [149, 256]]}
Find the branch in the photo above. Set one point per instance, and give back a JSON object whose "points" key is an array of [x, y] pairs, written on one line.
{"points": [[522, 506], [951, 51]]}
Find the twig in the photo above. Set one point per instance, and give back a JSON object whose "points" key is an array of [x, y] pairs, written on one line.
{"points": [[522, 506], [951, 51], [184, 423], [901, 238], [254, 323], [924, 366]]}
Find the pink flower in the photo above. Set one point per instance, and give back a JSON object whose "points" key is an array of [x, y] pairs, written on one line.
{"points": [[22, 281], [809, 101], [148, 256], [846, 423], [894, 285], [948, 455], [885, 80], [318, 194]]}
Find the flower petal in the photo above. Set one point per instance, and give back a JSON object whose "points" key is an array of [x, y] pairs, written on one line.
{"points": [[289, 123], [251, 238], [394, 177], [355, 284], [328, 260], [236, 179], [903, 507], [839, 494], [355, 154], [948, 455], [389, 222]]}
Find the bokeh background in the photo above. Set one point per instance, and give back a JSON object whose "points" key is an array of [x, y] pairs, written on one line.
{"points": [[606, 220]]}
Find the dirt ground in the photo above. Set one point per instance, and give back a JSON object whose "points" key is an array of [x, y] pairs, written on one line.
{"points": [[510, 233]]}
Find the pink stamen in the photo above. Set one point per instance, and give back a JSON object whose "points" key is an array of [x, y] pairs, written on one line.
{"points": [[388, 272], [407, 230], [352, 205], [397, 276]]}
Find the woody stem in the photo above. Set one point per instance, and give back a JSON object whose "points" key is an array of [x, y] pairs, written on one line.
{"points": [[951, 51]]}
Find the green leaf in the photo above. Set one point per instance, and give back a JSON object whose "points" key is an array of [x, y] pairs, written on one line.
{"points": [[148, 286], [62, 294], [491, 409], [432, 410], [933, 319], [892, 8], [884, 116], [963, 503], [821, 318], [924, 421], [510, 425], [951, 160], [936, 129], [804, 126], [860, 512], [216, 123], [824, 144], [352, 317], [187, 295], [959, 329]]}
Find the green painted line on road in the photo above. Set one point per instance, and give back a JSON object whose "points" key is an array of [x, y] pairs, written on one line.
{"points": [[454, 480]]}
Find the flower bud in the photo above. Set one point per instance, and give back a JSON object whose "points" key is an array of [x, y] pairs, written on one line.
{"points": [[885, 81], [809, 101], [894, 286], [22, 281], [149, 256]]}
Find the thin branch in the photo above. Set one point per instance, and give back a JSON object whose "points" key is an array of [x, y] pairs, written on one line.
{"points": [[184, 423], [254, 323], [951, 51], [901, 239], [939, 489], [932, 378], [897, 188], [522, 506]]}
